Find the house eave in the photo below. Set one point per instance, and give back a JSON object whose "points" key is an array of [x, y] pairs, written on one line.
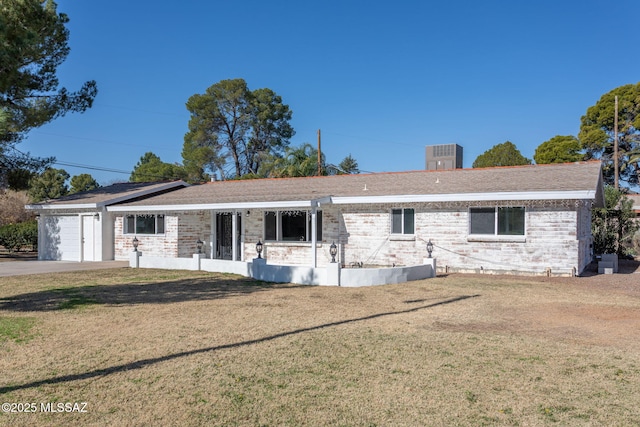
{"points": [[83, 206], [409, 198], [79, 206], [214, 206], [469, 197]]}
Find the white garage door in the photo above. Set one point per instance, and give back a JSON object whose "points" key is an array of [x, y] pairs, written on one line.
{"points": [[60, 238]]}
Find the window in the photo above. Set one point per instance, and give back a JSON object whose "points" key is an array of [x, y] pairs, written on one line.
{"points": [[497, 221], [402, 221], [291, 226], [144, 224]]}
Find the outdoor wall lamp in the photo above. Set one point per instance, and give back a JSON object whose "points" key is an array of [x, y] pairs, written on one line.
{"points": [[429, 247], [199, 244], [259, 248], [135, 242], [333, 250]]}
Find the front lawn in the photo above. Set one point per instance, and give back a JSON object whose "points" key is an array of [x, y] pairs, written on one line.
{"points": [[157, 347]]}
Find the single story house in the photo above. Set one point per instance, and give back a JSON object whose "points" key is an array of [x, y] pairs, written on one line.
{"points": [[79, 228], [532, 219]]}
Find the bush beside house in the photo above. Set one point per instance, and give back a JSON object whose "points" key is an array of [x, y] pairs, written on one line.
{"points": [[15, 237]]}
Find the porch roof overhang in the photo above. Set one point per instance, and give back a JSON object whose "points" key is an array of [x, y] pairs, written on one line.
{"points": [[362, 200], [283, 204]]}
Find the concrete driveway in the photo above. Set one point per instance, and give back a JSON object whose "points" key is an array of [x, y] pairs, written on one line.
{"points": [[16, 268]]}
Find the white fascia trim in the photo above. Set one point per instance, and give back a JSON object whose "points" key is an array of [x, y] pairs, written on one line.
{"points": [[470, 197], [61, 207], [410, 198], [213, 206]]}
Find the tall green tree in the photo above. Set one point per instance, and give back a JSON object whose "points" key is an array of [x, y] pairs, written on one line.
{"points": [[597, 132], [614, 225], [505, 154], [559, 149], [233, 130], [151, 168], [270, 128], [33, 43], [348, 165], [19, 179], [50, 184], [297, 162], [83, 182]]}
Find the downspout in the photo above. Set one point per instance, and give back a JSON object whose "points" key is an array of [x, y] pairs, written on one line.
{"points": [[314, 239]]}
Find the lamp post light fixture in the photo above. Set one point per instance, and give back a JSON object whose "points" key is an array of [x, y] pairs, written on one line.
{"points": [[199, 244], [333, 250], [429, 247], [135, 242], [259, 248]]}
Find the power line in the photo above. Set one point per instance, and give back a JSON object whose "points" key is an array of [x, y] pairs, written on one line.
{"points": [[78, 165], [97, 168]]}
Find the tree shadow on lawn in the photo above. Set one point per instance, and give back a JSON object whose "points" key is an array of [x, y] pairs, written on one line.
{"points": [[139, 364], [193, 289]]}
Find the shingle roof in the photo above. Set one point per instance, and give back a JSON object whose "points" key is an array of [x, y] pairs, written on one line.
{"points": [[569, 177], [111, 194]]}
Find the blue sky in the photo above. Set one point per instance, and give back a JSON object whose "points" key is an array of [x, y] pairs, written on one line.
{"points": [[381, 79]]}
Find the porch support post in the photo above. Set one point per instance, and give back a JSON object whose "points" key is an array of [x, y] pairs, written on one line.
{"points": [[314, 239], [212, 237], [234, 236]]}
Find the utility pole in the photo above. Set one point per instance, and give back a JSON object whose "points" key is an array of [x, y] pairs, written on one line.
{"points": [[320, 155], [615, 145]]}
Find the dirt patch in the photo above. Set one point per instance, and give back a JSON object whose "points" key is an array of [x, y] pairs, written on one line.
{"points": [[595, 309]]}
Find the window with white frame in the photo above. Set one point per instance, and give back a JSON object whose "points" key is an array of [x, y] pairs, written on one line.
{"points": [[144, 224], [291, 226], [403, 221], [501, 221]]}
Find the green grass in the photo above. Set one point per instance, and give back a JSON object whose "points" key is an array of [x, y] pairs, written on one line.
{"points": [[17, 329]]}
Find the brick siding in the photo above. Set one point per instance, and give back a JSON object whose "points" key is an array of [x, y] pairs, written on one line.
{"points": [[557, 236]]}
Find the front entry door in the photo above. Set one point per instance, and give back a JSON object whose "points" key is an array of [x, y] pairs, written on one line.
{"points": [[224, 235]]}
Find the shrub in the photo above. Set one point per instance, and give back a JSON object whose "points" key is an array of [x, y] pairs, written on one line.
{"points": [[613, 226], [15, 237]]}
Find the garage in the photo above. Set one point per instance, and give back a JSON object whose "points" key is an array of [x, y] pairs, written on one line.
{"points": [[59, 237], [78, 228]]}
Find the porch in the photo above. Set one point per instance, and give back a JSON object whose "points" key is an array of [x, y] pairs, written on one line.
{"points": [[330, 275]]}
